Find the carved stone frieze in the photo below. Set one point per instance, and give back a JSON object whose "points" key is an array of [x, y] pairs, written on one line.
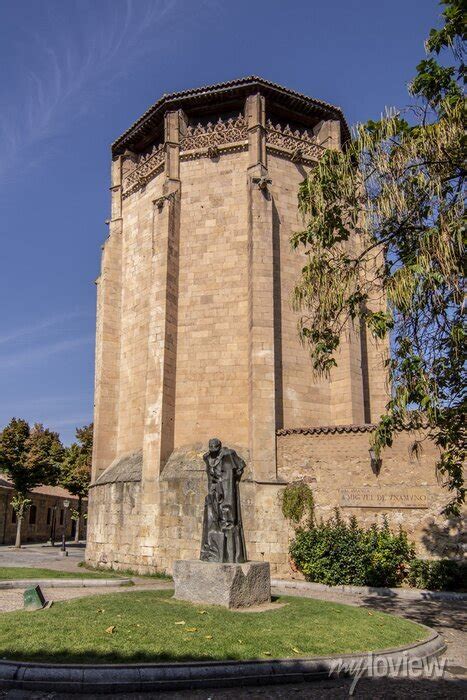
{"points": [[300, 146], [145, 168], [213, 138], [214, 135]]}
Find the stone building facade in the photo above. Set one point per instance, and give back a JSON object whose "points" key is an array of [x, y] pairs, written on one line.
{"points": [[196, 336], [44, 519]]}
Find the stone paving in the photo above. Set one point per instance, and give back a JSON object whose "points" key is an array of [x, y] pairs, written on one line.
{"points": [[447, 617], [43, 556]]}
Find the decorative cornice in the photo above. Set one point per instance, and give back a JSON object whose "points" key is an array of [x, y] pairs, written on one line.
{"points": [[299, 146], [206, 97], [216, 134], [214, 139], [329, 429], [147, 166]]}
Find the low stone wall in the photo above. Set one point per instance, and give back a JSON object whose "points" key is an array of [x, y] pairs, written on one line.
{"points": [[125, 533], [129, 530], [335, 462]]}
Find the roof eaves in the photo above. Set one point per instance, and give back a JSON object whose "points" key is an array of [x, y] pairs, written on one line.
{"points": [[216, 89]]}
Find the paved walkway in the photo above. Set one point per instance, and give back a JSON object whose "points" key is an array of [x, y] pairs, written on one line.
{"points": [[43, 555]]}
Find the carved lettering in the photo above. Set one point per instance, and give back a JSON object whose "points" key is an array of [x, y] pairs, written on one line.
{"points": [[397, 497]]}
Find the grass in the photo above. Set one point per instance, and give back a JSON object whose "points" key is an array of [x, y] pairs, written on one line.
{"points": [[12, 573], [161, 575], [150, 626]]}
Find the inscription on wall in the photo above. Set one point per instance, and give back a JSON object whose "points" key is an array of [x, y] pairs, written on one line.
{"points": [[398, 497]]}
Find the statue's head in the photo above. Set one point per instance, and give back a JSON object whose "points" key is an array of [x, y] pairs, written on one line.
{"points": [[214, 445]]}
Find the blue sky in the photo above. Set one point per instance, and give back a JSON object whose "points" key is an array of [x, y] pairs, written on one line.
{"points": [[74, 74]]}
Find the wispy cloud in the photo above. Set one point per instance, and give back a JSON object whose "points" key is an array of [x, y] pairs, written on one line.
{"points": [[75, 421], [39, 353], [38, 326], [80, 55]]}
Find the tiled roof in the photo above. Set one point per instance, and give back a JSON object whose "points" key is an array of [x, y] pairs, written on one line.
{"points": [[190, 98], [329, 429], [4, 484], [56, 491]]}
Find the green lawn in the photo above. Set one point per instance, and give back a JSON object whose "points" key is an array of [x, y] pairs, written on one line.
{"points": [[11, 573], [150, 626]]}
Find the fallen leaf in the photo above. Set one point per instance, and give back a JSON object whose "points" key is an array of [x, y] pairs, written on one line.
{"points": [[208, 636], [370, 613], [240, 641], [202, 612], [297, 651], [101, 610], [191, 629], [181, 622], [267, 653], [111, 629]]}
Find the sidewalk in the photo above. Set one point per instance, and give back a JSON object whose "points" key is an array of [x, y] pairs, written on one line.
{"points": [[43, 556]]}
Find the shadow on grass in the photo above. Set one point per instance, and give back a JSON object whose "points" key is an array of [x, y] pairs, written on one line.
{"points": [[433, 613], [92, 658]]}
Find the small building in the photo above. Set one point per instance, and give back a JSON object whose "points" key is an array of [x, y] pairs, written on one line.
{"points": [[44, 519]]}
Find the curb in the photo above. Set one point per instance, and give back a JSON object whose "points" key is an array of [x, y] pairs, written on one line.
{"points": [[173, 676], [405, 593], [65, 583]]}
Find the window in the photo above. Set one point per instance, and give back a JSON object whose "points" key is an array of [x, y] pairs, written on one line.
{"points": [[13, 516], [61, 516], [32, 515], [49, 516]]}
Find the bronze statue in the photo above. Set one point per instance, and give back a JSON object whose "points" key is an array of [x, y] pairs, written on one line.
{"points": [[223, 539]]}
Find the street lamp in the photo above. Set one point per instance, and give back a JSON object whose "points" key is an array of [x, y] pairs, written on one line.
{"points": [[66, 504]]}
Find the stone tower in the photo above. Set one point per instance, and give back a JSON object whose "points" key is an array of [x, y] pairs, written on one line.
{"points": [[195, 333]]}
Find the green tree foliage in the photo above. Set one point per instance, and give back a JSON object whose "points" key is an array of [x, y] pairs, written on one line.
{"points": [[30, 457], [385, 221], [75, 471]]}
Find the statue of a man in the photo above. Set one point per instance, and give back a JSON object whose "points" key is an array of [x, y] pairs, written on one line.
{"points": [[223, 539]]}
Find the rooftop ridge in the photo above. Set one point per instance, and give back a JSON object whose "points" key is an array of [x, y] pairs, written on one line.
{"points": [[249, 81]]}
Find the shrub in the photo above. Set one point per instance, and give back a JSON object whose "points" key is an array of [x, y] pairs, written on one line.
{"points": [[436, 575], [297, 501], [340, 553]]}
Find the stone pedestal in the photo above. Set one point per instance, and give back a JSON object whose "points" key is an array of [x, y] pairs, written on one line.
{"points": [[230, 585]]}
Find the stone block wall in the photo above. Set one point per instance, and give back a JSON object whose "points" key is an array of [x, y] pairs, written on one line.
{"points": [[212, 340], [331, 460]]}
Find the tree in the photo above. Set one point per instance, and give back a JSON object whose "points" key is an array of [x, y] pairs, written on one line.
{"points": [[75, 472], [384, 243], [29, 457]]}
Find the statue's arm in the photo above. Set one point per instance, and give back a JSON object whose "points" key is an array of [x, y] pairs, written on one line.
{"points": [[208, 471], [239, 464]]}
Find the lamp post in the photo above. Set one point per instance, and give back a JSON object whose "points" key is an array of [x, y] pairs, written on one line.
{"points": [[66, 504]]}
